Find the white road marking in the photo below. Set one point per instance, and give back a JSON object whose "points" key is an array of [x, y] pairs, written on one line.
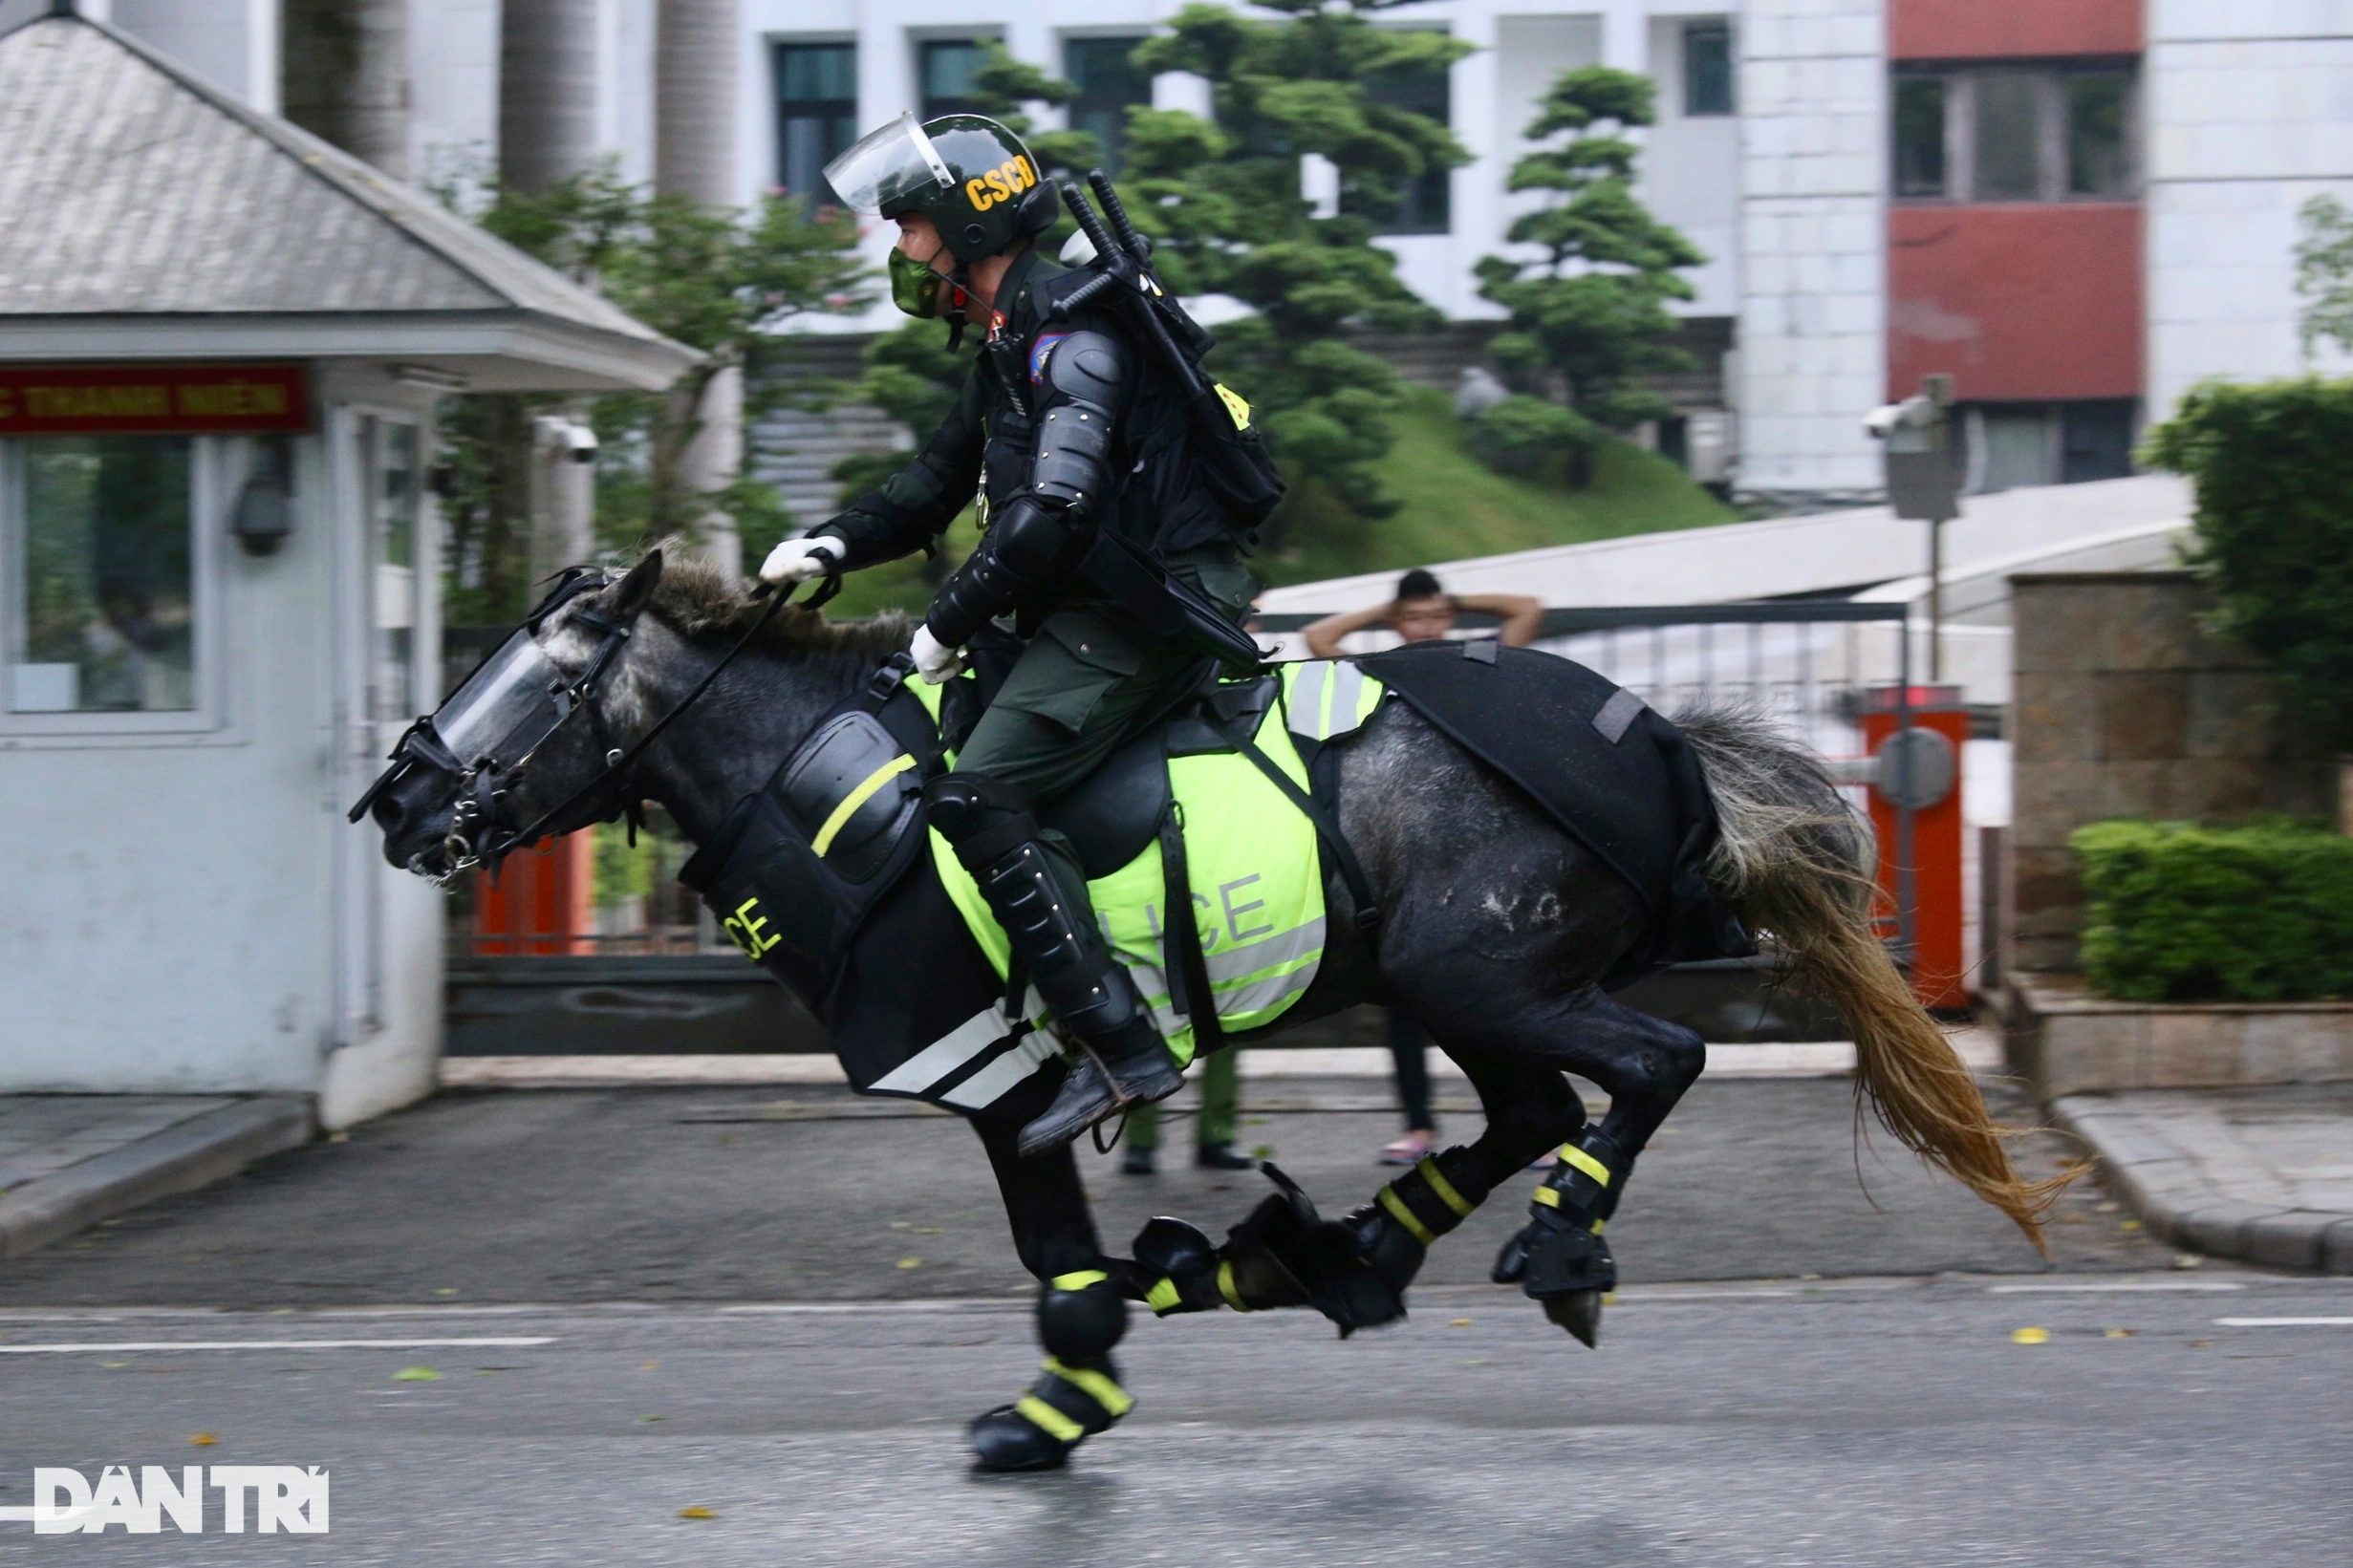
{"points": [[2284, 1322], [509, 1342], [2116, 1287]]}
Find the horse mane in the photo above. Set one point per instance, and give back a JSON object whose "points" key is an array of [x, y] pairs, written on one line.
{"points": [[703, 604]]}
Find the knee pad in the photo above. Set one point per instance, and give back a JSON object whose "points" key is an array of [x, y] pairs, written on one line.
{"points": [[1081, 1316], [965, 805]]}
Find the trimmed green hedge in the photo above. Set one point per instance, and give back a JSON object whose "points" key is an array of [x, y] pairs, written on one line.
{"points": [[2179, 912]]}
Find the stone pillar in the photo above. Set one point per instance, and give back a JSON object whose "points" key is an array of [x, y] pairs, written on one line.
{"points": [[694, 156], [2123, 707], [345, 65], [547, 90]]}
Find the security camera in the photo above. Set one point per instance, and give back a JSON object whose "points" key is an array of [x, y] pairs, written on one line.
{"points": [[1911, 414], [580, 444]]}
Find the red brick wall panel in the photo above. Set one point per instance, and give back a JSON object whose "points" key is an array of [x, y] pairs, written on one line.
{"points": [[1976, 29], [2016, 302]]}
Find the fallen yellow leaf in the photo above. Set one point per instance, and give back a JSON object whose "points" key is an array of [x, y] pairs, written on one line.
{"points": [[203, 1440], [911, 1262], [697, 1512], [2120, 1333], [415, 1374], [648, 1366], [2030, 1336], [2127, 1224], [1458, 1322]]}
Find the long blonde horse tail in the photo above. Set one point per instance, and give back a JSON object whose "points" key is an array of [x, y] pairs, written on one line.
{"points": [[1796, 863]]}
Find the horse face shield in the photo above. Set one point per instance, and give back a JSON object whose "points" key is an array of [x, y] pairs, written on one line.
{"points": [[479, 740]]}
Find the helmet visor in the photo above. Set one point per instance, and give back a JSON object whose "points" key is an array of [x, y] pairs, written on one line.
{"points": [[886, 167]]}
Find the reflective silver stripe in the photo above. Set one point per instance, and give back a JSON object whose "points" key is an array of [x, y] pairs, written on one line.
{"points": [[1261, 995], [1348, 688], [1234, 962], [991, 1083], [944, 1055], [1305, 708]]}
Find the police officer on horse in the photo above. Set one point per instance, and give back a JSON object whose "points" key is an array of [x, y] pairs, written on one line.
{"points": [[1073, 424]]}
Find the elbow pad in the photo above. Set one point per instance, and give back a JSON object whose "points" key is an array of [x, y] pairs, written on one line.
{"points": [[1073, 441], [1082, 375], [1017, 557]]}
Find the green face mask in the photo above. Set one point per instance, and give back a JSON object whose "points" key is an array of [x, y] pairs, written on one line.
{"points": [[915, 288]]}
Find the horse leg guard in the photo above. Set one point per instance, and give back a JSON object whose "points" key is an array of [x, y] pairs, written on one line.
{"points": [[1286, 1254], [1560, 1259], [1394, 1230], [1081, 1316]]}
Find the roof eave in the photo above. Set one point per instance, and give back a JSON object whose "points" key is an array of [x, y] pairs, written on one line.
{"points": [[493, 350]]}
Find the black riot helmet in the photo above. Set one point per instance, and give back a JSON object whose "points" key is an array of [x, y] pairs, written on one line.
{"points": [[973, 178]]}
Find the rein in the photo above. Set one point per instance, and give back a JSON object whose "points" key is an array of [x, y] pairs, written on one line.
{"points": [[618, 760]]}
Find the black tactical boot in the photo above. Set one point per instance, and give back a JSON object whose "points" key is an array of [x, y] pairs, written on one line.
{"points": [[1122, 1058], [1560, 1259]]}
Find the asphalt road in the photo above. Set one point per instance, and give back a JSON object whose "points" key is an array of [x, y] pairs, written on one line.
{"points": [[707, 1195], [1839, 1423]]}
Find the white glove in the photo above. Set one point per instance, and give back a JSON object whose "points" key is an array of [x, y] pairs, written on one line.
{"points": [[933, 660], [798, 560]]}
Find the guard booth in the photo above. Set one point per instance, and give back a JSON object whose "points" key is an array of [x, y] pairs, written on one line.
{"points": [[221, 344]]}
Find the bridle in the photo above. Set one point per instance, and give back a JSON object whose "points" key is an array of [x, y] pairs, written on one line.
{"points": [[478, 833]]}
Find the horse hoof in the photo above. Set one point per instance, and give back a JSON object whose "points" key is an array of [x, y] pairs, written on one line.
{"points": [[1005, 1443], [1580, 1312]]}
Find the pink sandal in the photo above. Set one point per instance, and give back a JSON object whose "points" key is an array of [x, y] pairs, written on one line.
{"points": [[1410, 1147]]}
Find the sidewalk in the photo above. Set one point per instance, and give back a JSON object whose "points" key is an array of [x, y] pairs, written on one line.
{"points": [[68, 1161], [2264, 1174]]}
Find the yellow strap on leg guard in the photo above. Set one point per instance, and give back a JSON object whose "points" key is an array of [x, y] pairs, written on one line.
{"points": [[1163, 1297], [1428, 1165], [1403, 1215], [1546, 1196], [1116, 1401], [1226, 1287], [1078, 1279], [1048, 1420], [1578, 1159]]}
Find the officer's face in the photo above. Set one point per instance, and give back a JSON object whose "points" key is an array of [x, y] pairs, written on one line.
{"points": [[918, 240]]}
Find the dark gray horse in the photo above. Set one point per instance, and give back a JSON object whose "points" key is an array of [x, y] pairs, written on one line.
{"points": [[1496, 927]]}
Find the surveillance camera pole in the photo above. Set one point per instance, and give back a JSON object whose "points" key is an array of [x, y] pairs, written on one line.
{"points": [[1924, 483]]}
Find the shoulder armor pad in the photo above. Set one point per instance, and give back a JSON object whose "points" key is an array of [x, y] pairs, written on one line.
{"points": [[1082, 366]]}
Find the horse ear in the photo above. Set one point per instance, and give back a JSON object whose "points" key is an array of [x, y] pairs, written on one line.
{"points": [[624, 599]]}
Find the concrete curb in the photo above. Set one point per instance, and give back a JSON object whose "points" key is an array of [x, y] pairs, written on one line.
{"points": [[194, 1153], [2158, 1181]]}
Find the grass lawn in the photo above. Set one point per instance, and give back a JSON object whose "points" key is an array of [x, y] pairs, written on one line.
{"points": [[1454, 506]]}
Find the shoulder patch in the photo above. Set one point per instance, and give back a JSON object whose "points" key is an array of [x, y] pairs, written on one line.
{"points": [[1039, 352]]}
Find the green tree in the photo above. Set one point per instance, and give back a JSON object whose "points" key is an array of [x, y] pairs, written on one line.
{"points": [[725, 282], [2273, 466], [1222, 201], [2325, 274], [1589, 317]]}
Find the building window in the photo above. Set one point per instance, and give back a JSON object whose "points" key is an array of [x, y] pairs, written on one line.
{"points": [[1108, 86], [817, 113], [2013, 446], [101, 575], [2012, 133], [389, 451], [1707, 68], [1425, 204], [1919, 136], [2098, 126], [948, 67]]}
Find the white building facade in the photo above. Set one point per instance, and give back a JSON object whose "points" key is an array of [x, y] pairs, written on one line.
{"points": [[1773, 152]]}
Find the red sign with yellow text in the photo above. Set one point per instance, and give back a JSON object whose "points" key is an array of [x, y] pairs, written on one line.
{"points": [[167, 400]]}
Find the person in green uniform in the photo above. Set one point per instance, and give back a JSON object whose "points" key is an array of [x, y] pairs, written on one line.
{"points": [[1065, 427], [1213, 1130]]}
